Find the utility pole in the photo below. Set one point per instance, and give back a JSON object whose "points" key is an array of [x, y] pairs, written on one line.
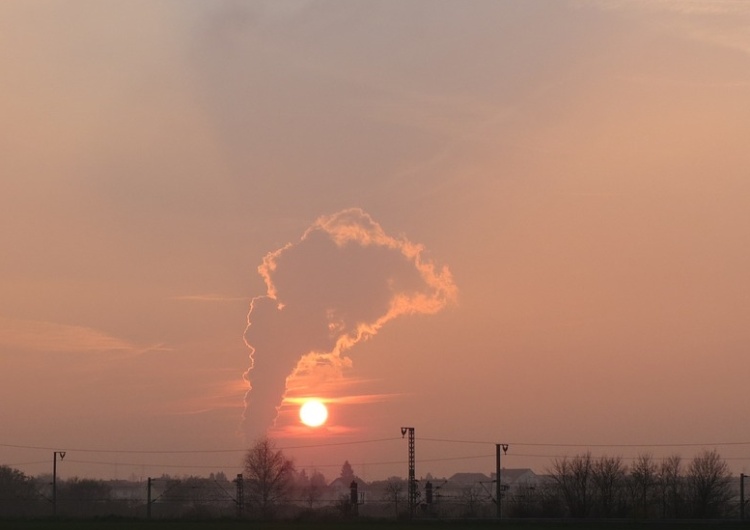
{"points": [[240, 495], [354, 498], [742, 496], [54, 479], [148, 498], [412, 476], [498, 482]]}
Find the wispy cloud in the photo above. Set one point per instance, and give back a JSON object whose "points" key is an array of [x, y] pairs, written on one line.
{"points": [[52, 337], [214, 396], [688, 7], [716, 22], [210, 298], [346, 400]]}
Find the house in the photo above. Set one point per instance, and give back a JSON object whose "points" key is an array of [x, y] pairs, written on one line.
{"points": [[515, 479], [466, 479], [339, 488]]}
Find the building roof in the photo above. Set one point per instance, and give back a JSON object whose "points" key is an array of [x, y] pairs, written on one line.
{"points": [[510, 476], [468, 478], [341, 483]]}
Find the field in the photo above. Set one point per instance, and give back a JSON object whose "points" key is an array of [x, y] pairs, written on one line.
{"points": [[125, 524]]}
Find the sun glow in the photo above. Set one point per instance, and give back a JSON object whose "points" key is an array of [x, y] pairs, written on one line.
{"points": [[313, 413]]}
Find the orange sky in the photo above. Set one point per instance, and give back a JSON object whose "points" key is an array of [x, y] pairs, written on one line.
{"points": [[581, 167]]}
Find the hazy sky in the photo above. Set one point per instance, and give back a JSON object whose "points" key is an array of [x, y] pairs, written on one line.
{"points": [[577, 169]]}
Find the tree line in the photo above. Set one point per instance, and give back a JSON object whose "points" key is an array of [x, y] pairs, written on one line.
{"points": [[605, 487], [581, 486]]}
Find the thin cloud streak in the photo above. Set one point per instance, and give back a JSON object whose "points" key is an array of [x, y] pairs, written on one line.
{"points": [[689, 7], [52, 337], [217, 396], [209, 298], [347, 400], [718, 22]]}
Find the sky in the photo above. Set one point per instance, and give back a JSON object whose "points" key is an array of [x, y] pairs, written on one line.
{"points": [[516, 222]]}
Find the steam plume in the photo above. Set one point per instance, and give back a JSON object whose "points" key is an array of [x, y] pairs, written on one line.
{"points": [[338, 285]]}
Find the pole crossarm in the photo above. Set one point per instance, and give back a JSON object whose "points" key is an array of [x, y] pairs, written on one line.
{"points": [[498, 481], [55, 454]]}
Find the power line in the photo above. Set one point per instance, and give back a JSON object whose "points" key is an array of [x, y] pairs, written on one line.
{"points": [[377, 440], [125, 451], [332, 444], [716, 444], [224, 465], [133, 464], [190, 451], [528, 444]]}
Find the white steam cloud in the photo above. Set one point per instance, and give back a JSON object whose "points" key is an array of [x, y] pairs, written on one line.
{"points": [[338, 285]]}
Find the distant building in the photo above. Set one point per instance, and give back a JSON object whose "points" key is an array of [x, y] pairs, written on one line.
{"points": [[340, 487], [511, 479], [465, 479], [514, 479]]}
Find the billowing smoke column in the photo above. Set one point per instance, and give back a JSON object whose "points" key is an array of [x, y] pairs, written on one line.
{"points": [[337, 286]]}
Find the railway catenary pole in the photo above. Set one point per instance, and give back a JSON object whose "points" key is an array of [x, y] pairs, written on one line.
{"points": [[412, 475]]}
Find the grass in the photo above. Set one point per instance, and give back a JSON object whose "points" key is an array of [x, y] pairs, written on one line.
{"points": [[214, 524]]}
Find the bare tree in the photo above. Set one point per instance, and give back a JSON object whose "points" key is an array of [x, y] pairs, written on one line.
{"points": [[708, 485], [314, 488], [269, 476], [472, 499], [607, 481], [573, 479], [642, 483], [671, 487], [394, 492], [525, 501]]}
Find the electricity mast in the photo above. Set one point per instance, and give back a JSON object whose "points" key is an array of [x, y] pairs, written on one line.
{"points": [[412, 476]]}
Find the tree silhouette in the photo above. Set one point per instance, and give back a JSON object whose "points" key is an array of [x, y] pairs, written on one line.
{"points": [[573, 479], [268, 475], [18, 494], [608, 481], [347, 474], [642, 483], [708, 485], [672, 486], [394, 492], [311, 488]]}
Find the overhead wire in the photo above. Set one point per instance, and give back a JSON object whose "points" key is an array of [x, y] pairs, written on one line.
{"points": [[376, 440], [366, 441], [530, 444], [191, 451]]}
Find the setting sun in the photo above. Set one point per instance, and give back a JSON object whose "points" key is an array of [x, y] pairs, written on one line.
{"points": [[313, 413]]}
